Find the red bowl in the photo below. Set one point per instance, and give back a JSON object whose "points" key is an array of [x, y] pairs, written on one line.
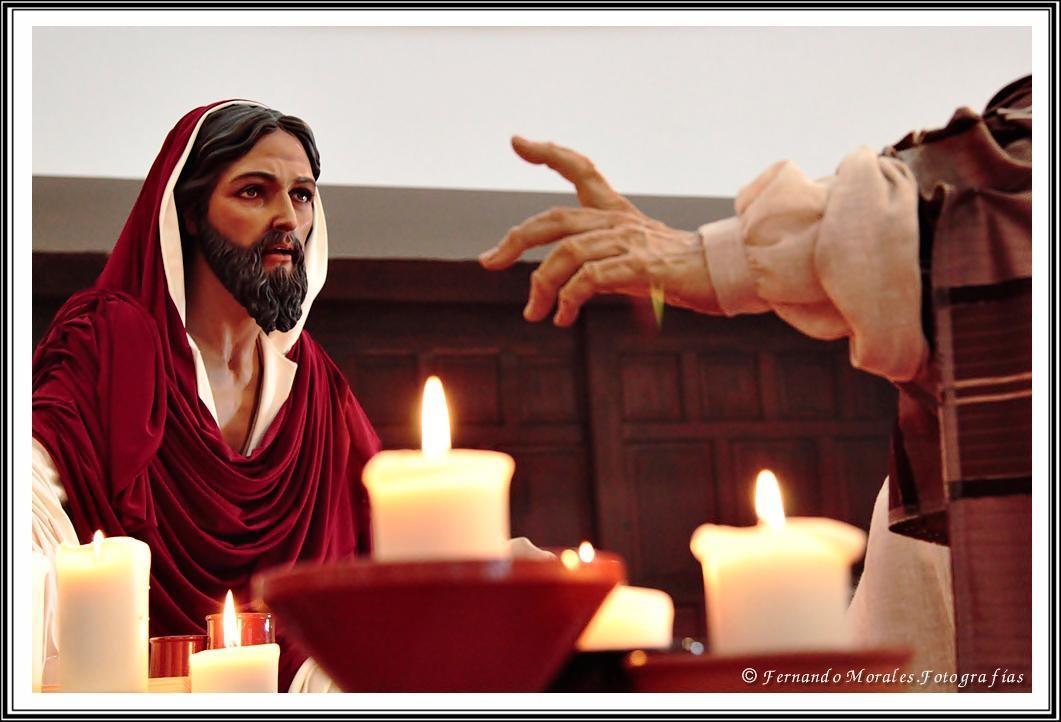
{"points": [[460, 626]]}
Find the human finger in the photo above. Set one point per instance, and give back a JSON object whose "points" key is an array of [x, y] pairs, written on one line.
{"points": [[564, 261], [619, 274], [592, 189], [547, 227]]}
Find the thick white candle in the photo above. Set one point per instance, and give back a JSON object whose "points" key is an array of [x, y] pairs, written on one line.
{"points": [[41, 569], [235, 669], [102, 615], [438, 503], [630, 618], [782, 585]]}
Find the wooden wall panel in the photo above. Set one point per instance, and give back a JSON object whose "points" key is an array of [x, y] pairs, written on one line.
{"points": [[473, 385], [730, 386], [551, 500], [388, 384], [549, 389], [727, 398], [858, 465], [862, 395], [673, 482], [806, 384], [651, 387]]}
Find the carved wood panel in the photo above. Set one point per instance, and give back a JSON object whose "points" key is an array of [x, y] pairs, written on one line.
{"points": [[727, 398]]}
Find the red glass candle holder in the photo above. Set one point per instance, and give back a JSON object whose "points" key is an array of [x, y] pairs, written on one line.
{"points": [[251, 627], [169, 655]]}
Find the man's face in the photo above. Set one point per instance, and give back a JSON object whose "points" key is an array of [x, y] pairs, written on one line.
{"points": [[258, 216]]}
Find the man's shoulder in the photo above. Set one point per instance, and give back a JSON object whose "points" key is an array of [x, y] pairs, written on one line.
{"points": [[100, 311], [103, 304]]}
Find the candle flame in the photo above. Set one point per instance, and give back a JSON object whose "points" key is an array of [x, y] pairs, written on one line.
{"points": [[228, 622], [586, 552], [434, 420], [569, 558], [768, 504], [97, 543]]}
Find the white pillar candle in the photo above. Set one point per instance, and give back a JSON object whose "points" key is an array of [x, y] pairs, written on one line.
{"points": [[438, 503], [253, 668], [235, 669], [102, 615], [782, 585], [41, 569], [630, 618]]}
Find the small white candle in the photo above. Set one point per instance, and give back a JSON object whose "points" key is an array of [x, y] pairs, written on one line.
{"points": [[438, 503], [781, 585], [630, 618], [102, 615], [41, 569], [253, 668]]}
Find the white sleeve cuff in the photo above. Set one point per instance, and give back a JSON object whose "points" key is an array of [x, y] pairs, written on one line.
{"points": [[310, 678], [727, 264]]}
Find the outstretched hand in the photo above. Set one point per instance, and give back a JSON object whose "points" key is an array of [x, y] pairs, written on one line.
{"points": [[605, 246]]}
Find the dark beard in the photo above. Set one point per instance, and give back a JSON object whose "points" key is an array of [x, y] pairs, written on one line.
{"points": [[272, 298]]}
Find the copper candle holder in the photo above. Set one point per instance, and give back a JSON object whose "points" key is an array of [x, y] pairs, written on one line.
{"points": [[169, 655], [251, 628]]}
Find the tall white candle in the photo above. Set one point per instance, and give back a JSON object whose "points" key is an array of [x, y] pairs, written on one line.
{"points": [[102, 615], [438, 503], [253, 668], [782, 585]]}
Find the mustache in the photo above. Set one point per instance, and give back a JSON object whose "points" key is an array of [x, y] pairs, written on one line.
{"points": [[275, 239]]}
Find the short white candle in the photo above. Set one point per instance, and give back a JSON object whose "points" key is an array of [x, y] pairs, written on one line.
{"points": [[438, 503], [782, 585], [235, 669], [102, 615], [41, 569], [630, 618], [253, 668]]}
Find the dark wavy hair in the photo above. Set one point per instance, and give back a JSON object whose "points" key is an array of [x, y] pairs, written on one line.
{"points": [[225, 136]]}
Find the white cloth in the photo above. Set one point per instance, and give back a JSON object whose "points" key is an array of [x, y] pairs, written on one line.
{"points": [[51, 527], [835, 257], [905, 599]]}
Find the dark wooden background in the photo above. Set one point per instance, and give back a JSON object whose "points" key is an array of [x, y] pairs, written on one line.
{"points": [[623, 434]]}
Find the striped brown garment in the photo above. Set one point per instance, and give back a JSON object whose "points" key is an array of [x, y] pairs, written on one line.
{"points": [[964, 426]]}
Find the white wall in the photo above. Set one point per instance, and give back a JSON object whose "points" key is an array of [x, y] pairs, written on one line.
{"points": [[670, 111]]}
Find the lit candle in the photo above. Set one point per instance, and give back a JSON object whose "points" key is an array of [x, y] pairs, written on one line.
{"points": [[438, 503], [235, 668], [628, 618], [781, 585], [102, 615]]}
